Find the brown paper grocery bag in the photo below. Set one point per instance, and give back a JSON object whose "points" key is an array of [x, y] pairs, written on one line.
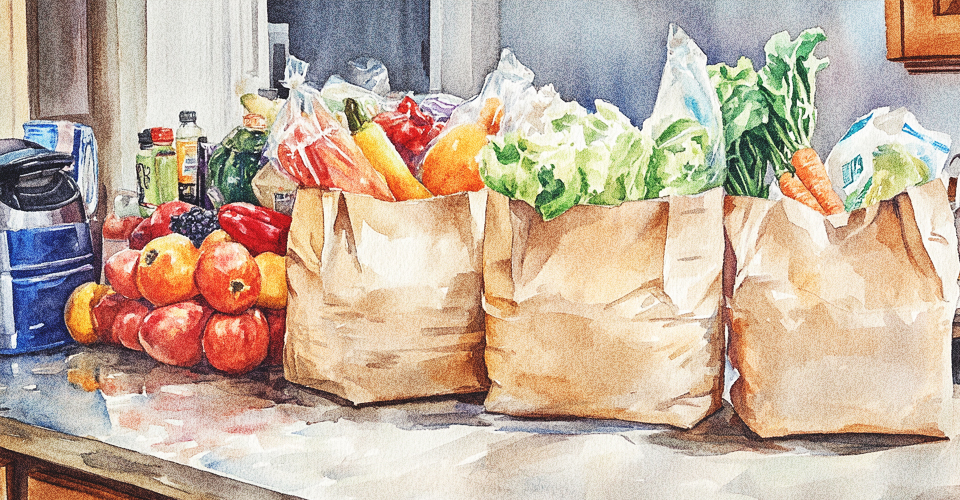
{"points": [[385, 298], [606, 312], [843, 324]]}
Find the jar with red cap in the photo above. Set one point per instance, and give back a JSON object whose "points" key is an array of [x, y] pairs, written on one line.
{"points": [[165, 164]]}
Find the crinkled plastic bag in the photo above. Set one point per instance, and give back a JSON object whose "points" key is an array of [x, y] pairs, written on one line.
{"points": [[366, 82], [851, 164], [511, 82], [335, 90], [439, 105], [302, 99], [368, 73], [312, 148], [686, 94]]}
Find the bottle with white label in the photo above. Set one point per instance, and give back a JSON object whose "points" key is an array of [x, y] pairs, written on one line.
{"points": [[187, 135]]}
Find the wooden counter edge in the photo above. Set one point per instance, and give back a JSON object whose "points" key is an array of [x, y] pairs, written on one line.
{"points": [[94, 457]]}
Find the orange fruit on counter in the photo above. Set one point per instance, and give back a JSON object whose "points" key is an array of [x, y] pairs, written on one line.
{"points": [[78, 311], [273, 281], [166, 268], [214, 237]]}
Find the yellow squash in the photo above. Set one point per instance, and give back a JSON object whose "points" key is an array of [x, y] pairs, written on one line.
{"points": [[376, 146]]}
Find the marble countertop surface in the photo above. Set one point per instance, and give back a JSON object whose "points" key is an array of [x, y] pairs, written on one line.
{"points": [[195, 433]]}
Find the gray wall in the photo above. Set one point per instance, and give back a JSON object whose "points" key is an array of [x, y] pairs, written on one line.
{"points": [[328, 33], [614, 50]]}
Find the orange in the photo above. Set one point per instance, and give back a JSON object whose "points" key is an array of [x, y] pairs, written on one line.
{"points": [[273, 283], [214, 237], [78, 311], [165, 270], [451, 164]]}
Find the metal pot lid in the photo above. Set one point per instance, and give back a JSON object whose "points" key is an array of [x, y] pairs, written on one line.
{"points": [[19, 157]]}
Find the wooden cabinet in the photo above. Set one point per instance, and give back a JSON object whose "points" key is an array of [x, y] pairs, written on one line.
{"points": [[924, 34], [5, 471], [27, 478], [14, 85], [42, 486], [59, 60]]}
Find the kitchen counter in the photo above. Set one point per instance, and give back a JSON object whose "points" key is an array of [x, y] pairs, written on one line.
{"points": [[195, 433]]}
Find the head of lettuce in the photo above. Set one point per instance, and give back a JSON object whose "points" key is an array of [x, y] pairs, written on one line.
{"points": [[568, 156]]}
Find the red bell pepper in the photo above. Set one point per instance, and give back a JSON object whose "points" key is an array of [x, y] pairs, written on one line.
{"points": [[257, 228], [409, 129]]}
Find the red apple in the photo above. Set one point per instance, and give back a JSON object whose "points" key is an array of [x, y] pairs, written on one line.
{"points": [[277, 321], [171, 334], [237, 343], [121, 272], [141, 235], [126, 325], [103, 315], [117, 228], [161, 216], [228, 277]]}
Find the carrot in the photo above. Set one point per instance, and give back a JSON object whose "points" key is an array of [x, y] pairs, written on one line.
{"points": [[792, 187], [813, 175]]}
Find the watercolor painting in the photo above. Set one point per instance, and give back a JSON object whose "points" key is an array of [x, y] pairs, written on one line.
{"points": [[478, 249]]}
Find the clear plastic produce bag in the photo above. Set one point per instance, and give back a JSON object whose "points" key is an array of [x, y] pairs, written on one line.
{"points": [[313, 148], [368, 73], [883, 153], [511, 83], [686, 98]]}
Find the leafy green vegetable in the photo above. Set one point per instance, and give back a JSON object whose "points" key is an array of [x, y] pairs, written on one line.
{"points": [[744, 108], [580, 158], [679, 162], [743, 105], [894, 169], [789, 81], [767, 115]]}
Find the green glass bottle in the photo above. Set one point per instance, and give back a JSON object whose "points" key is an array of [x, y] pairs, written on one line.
{"points": [[234, 164]]}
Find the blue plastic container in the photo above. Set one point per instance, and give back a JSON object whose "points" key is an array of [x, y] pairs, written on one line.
{"points": [[46, 250], [39, 268]]}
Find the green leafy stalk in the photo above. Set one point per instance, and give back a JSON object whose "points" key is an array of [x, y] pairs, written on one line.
{"points": [[768, 115], [790, 84]]}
